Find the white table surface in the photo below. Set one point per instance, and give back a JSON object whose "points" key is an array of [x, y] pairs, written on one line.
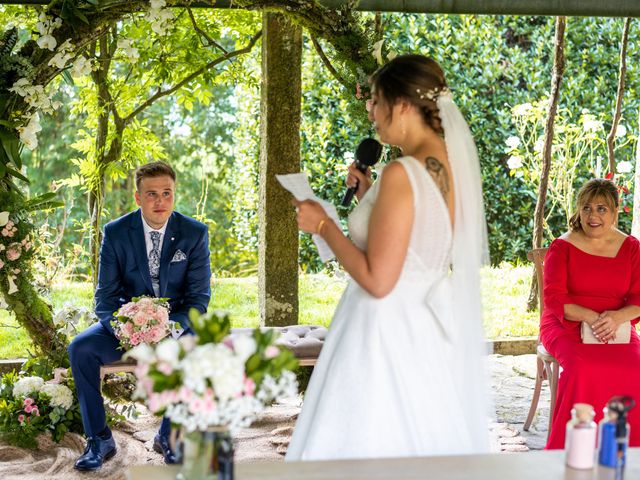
{"points": [[541, 465]]}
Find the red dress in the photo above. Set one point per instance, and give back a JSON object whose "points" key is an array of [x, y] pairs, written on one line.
{"points": [[590, 373]]}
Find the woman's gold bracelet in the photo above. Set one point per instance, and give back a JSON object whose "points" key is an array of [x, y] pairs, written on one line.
{"points": [[320, 225]]}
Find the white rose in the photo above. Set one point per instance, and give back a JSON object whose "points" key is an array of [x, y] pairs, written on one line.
{"points": [[624, 167], [168, 351], [47, 42], [621, 131], [514, 162], [4, 218], [244, 346]]}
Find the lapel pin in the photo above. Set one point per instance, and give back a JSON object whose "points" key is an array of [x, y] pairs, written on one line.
{"points": [[173, 238]]}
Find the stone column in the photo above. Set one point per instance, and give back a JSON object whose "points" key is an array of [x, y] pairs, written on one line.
{"points": [[279, 153]]}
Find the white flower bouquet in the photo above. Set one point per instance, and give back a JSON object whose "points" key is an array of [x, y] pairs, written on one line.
{"points": [[214, 379]]}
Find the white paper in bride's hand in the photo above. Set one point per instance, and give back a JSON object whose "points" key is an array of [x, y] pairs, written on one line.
{"points": [[298, 185]]}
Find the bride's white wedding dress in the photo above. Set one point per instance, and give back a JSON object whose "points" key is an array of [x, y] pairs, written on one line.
{"points": [[389, 381]]}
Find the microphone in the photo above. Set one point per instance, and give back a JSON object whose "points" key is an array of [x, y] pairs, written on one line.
{"points": [[367, 154]]}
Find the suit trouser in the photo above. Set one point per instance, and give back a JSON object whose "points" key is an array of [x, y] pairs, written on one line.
{"points": [[88, 351]]}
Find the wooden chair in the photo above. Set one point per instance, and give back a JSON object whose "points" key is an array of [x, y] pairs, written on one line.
{"points": [[547, 366]]}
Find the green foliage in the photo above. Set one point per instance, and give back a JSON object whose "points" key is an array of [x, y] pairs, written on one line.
{"points": [[210, 327]]}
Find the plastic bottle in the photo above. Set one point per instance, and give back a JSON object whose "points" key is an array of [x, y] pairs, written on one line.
{"points": [[607, 446], [614, 433], [580, 443]]}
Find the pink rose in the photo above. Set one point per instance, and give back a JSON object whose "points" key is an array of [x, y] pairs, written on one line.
{"points": [[21, 418], [165, 368], [35, 411], [140, 318], [28, 409], [128, 329], [28, 402], [158, 333], [249, 387], [14, 251], [271, 352], [135, 338], [185, 394]]}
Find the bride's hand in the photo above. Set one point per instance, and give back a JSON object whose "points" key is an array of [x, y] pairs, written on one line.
{"points": [[311, 216], [361, 180]]}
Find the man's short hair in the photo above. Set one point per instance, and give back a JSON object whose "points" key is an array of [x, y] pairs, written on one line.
{"points": [[154, 169]]}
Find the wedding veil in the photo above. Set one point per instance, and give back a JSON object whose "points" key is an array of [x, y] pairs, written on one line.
{"points": [[469, 253]]}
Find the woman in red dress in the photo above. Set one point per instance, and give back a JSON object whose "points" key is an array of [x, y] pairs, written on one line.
{"points": [[592, 275]]}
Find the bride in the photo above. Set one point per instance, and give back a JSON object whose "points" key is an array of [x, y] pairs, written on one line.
{"points": [[401, 370]]}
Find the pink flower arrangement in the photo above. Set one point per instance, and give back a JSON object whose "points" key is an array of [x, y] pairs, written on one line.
{"points": [[143, 320]]}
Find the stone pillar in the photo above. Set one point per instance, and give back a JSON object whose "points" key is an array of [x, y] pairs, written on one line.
{"points": [[279, 153]]}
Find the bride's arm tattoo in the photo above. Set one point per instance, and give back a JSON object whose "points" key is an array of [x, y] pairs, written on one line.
{"points": [[439, 174]]}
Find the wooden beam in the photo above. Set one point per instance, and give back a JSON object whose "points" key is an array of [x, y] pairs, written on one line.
{"points": [[580, 8]]}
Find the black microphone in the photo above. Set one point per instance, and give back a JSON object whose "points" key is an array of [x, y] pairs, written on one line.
{"points": [[367, 154]]}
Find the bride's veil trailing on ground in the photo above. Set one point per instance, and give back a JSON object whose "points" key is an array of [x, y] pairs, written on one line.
{"points": [[469, 253]]}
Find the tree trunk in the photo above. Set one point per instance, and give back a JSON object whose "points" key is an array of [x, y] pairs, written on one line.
{"points": [[36, 317], [635, 224], [556, 80], [279, 153], [622, 72]]}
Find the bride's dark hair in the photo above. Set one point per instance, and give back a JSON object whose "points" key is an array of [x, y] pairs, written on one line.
{"points": [[415, 78]]}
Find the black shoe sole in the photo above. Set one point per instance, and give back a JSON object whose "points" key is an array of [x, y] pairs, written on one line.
{"points": [[107, 457]]}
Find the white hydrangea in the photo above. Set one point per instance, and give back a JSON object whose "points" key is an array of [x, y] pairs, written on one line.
{"points": [[624, 167], [60, 395], [26, 386], [514, 162]]}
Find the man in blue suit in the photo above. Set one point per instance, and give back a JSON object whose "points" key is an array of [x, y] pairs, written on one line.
{"points": [[152, 251]]}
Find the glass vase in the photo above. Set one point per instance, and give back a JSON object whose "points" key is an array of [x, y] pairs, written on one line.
{"points": [[206, 455]]}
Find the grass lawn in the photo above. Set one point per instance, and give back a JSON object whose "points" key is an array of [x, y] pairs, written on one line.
{"points": [[505, 291]]}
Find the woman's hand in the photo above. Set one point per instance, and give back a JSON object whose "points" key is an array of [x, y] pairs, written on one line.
{"points": [[604, 328], [311, 216], [362, 181]]}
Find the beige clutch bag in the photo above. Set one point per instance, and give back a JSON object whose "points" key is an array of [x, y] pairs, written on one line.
{"points": [[623, 334]]}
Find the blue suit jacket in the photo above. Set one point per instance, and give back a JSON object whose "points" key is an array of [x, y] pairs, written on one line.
{"points": [[124, 267]]}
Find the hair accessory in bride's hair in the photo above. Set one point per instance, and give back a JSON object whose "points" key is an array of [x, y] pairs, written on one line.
{"points": [[433, 93]]}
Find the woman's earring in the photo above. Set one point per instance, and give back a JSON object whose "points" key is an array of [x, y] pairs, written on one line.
{"points": [[403, 128]]}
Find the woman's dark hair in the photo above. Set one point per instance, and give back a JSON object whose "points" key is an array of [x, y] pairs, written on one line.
{"points": [[415, 78], [154, 169], [598, 187]]}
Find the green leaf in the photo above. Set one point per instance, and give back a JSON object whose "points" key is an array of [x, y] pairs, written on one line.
{"points": [[7, 139], [17, 174]]}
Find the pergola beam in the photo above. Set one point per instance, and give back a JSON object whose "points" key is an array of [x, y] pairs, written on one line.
{"points": [[584, 8]]}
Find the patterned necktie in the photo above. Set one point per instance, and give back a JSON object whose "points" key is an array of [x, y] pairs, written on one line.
{"points": [[154, 261]]}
